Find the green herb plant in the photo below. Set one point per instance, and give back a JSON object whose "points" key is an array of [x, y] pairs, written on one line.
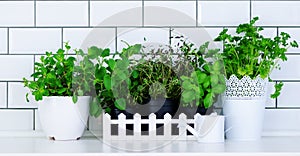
{"points": [[206, 81], [57, 75], [251, 54], [155, 76]]}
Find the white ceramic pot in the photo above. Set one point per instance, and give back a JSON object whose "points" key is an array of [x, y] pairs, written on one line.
{"points": [[61, 119], [243, 108]]}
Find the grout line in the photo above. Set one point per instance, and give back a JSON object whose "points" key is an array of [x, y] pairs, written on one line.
{"points": [[116, 39], [89, 13], [33, 125], [197, 18], [143, 13], [6, 94], [170, 36], [7, 52], [34, 12], [276, 100], [250, 11], [62, 38]]}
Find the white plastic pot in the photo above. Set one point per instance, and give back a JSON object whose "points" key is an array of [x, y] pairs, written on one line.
{"points": [[243, 108], [61, 119]]}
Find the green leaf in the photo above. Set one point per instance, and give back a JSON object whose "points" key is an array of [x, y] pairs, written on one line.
{"points": [[105, 52], [94, 107], [208, 100], [107, 81], [94, 52], [80, 92], [120, 104], [75, 98], [135, 74]]}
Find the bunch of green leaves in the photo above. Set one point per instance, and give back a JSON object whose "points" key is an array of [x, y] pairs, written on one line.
{"points": [[154, 76], [249, 53], [57, 75], [206, 82]]}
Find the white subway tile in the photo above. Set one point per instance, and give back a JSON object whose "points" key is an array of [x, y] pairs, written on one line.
{"points": [[223, 12], [281, 120], [3, 41], [15, 67], [290, 69], [289, 96], [295, 35], [116, 13], [276, 12], [17, 13], [84, 38], [139, 35], [34, 40], [16, 119], [58, 13], [3, 95], [170, 13], [199, 36], [16, 96]]}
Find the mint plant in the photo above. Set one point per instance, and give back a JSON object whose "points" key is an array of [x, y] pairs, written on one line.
{"points": [[57, 75], [251, 54], [206, 82]]}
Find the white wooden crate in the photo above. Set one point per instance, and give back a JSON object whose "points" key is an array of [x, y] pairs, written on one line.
{"points": [[152, 122]]}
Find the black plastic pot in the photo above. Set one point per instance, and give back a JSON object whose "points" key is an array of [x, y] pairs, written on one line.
{"points": [[191, 111], [159, 107]]}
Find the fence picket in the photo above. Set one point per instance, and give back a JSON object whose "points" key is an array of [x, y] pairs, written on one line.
{"points": [[182, 129], [122, 126], [107, 127], [167, 126], [152, 126], [137, 126]]}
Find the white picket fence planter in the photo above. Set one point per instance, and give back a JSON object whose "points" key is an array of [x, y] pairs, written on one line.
{"points": [[152, 123]]}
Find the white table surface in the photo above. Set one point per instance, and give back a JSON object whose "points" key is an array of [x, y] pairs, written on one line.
{"points": [[38, 145]]}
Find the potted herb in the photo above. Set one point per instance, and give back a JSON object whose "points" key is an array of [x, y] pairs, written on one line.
{"points": [[249, 58], [206, 82], [145, 85], [59, 84]]}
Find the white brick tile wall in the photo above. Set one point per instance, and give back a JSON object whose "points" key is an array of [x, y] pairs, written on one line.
{"points": [[3, 95], [16, 13], [14, 68], [32, 31], [290, 70], [3, 41], [34, 40], [170, 13], [16, 96], [277, 12], [16, 119], [117, 13], [84, 38], [62, 13], [289, 95], [212, 13], [134, 36]]}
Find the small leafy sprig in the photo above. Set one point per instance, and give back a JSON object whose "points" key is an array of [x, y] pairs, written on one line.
{"points": [[57, 75], [250, 53]]}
